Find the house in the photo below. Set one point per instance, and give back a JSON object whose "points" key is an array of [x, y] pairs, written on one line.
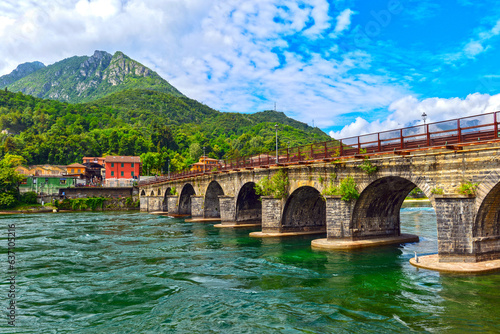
{"points": [[122, 171], [205, 164], [75, 169], [47, 184]]}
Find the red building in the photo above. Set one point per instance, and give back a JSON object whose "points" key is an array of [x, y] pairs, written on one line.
{"points": [[122, 171]]}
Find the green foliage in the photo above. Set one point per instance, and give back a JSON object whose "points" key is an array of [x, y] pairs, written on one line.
{"points": [[437, 191], [367, 166], [348, 189], [10, 180], [277, 186], [7, 200], [29, 197], [331, 190], [75, 204], [468, 188], [321, 180]]}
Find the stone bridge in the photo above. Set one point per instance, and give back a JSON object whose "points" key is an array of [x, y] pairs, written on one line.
{"points": [[468, 225]]}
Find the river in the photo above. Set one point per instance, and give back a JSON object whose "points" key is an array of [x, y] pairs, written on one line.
{"points": [[118, 272]]}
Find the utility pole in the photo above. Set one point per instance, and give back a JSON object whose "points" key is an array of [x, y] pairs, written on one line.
{"points": [[276, 126], [168, 168], [204, 160]]}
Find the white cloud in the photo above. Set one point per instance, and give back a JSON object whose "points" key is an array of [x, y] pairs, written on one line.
{"points": [[232, 55], [343, 20], [408, 111]]}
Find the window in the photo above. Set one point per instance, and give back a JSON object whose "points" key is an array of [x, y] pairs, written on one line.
{"points": [[112, 164], [122, 164], [132, 165], [72, 171], [112, 173], [62, 181], [132, 174], [122, 173]]}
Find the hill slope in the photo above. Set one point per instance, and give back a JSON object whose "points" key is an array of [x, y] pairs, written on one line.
{"points": [[20, 72], [83, 79], [135, 122]]}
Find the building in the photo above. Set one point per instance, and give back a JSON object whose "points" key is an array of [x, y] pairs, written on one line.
{"points": [[48, 184], [205, 164], [76, 169], [122, 171], [41, 170]]}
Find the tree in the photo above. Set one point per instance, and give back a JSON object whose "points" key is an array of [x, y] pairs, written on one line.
{"points": [[10, 180], [195, 151]]}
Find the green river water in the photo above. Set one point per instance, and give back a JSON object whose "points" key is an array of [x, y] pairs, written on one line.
{"points": [[138, 273]]}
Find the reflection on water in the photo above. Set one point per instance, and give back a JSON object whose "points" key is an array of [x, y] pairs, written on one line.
{"points": [[134, 272]]}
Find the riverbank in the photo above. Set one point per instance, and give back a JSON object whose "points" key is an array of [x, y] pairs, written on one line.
{"points": [[79, 204]]}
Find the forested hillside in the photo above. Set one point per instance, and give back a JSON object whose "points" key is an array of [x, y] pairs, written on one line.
{"points": [[156, 125]]}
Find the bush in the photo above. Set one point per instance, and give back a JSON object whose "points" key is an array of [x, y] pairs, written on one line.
{"points": [[368, 167], [7, 200], [468, 188], [29, 197], [346, 189], [437, 191], [277, 186]]}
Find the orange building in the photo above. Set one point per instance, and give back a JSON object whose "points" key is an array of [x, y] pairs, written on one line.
{"points": [[205, 164], [75, 169]]}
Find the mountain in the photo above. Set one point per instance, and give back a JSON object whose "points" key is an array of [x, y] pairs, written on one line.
{"points": [[20, 72], [83, 79]]}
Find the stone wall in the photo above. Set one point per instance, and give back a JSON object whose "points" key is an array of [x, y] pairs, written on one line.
{"points": [[108, 192]]}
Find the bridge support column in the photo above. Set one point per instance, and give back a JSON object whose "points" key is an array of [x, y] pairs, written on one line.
{"points": [[455, 218], [143, 204], [197, 206], [272, 211], [173, 204], [338, 217], [227, 210]]}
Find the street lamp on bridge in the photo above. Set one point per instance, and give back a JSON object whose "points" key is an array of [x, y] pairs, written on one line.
{"points": [[276, 126]]}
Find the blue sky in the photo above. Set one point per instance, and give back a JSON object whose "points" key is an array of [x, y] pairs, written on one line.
{"points": [[351, 66]]}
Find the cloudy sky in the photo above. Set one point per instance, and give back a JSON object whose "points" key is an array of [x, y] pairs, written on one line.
{"points": [[351, 66]]}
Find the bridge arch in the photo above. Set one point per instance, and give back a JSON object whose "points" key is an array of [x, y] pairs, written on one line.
{"points": [[248, 204], [185, 199], [486, 228], [211, 204], [165, 199], [377, 210], [305, 210]]}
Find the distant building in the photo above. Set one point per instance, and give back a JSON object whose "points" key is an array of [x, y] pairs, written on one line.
{"points": [[75, 169], [41, 170], [122, 171], [205, 164]]}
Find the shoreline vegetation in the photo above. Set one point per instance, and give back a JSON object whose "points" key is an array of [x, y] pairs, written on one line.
{"points": [[77, 205]]}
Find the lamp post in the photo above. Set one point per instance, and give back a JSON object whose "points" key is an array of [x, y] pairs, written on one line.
{"points": [[424, 117], [276, 126], [168, 168], [204, 160]]}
